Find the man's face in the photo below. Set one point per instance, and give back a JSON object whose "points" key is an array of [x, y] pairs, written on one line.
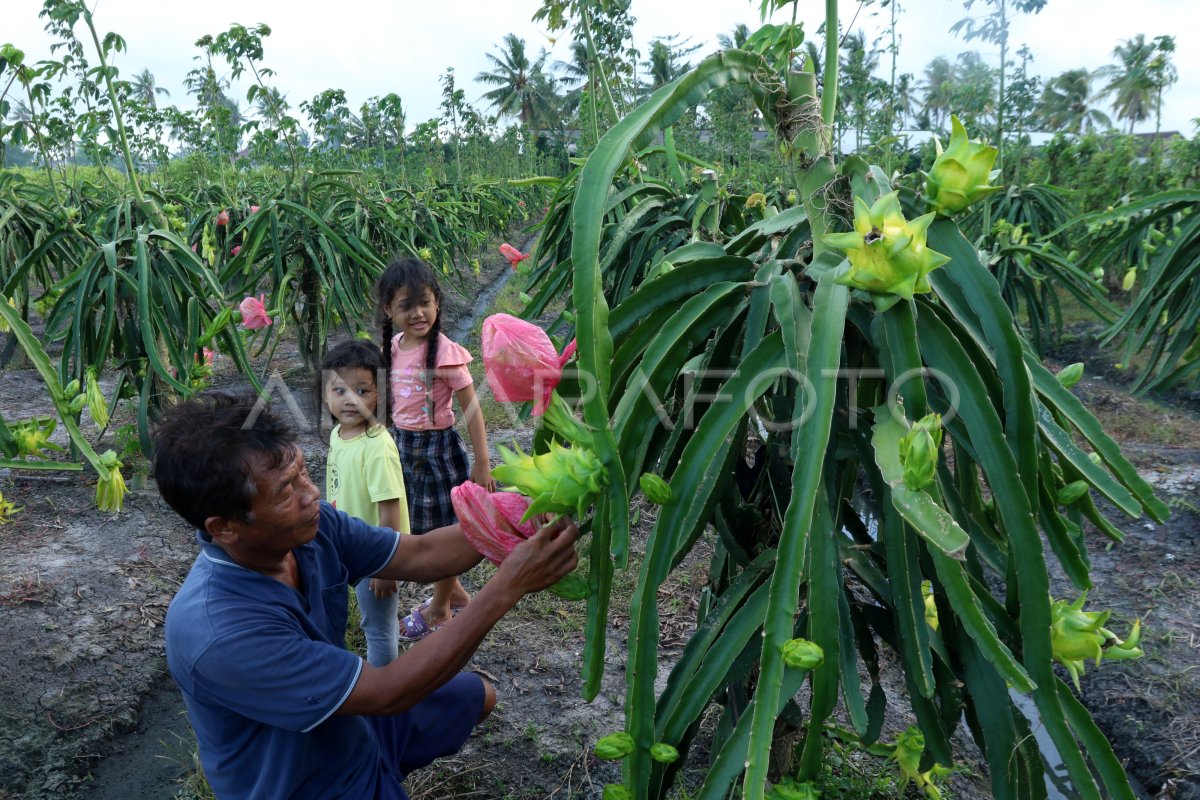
{"points": [[285, 509]]}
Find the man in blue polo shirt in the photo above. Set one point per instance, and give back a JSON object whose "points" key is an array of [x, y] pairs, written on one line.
{"points": [[255, 635]]}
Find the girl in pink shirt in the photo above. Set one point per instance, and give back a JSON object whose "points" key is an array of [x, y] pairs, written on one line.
{"points": [[426, 372]]}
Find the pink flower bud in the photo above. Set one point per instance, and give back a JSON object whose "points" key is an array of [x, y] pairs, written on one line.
{"points": [[223, 218], [237, 248], [254, 209]]}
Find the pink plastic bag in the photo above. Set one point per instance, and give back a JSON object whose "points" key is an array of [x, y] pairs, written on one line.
{"points": [[520, 361], [491, 522]]}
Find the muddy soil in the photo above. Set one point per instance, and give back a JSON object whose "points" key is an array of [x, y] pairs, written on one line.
{"points": [[87, 709]]}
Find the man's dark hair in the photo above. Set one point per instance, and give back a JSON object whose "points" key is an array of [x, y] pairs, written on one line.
{"points": [[202, 450]]}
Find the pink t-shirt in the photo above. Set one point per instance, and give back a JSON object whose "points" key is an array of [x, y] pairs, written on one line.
{"points": [[409, 410]]}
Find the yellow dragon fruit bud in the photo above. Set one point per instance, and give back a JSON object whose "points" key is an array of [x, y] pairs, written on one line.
{"points": [[961, 174], [1127, 283], [802, 654], [919, 450], [887, 253], [425, 254], [110, 489], [563, 480], [756, 200], [931, 616], [7, 510], [96, 403]]}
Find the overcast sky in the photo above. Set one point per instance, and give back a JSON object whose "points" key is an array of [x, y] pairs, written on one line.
{"points": [[373, 47]]}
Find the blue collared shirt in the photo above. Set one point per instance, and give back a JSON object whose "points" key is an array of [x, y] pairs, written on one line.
{"points": [[263, 667]]}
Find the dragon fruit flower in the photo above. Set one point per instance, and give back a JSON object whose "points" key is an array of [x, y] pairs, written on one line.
{"points": [[1077, 635], [961, 174], [513, 255], [520, 361], [110, 489], [561, 481], [887, 253], [254, 313]]}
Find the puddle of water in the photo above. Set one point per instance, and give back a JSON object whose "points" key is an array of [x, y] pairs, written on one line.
{"points": [[1058, 783]]}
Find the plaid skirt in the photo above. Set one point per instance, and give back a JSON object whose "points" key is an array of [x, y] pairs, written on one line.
{"points": [[434, 462]]}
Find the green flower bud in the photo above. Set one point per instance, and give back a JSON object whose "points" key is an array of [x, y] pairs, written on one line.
{"points": [[919, 451], [1149, 248], [95, 399], [71, 389], [77, 403], [960, 175], [1094, 458], [1072, 492], [887, 253], [614, 746], [655, 488], [615, 791], [524, 298], [1069, 375], [802, 654], [564, 480], [1098, 274], [663, 753], [425, 254], [1073, 256]]}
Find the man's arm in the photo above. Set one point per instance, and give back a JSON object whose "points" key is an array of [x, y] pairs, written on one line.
{"points": [[531, 566], [440, 553]]}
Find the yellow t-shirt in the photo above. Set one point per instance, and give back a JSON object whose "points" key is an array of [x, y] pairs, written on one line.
{"points": [[364, 471]]}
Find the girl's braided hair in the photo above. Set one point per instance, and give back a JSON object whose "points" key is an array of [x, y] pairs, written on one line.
{"points": [[416, 276]]}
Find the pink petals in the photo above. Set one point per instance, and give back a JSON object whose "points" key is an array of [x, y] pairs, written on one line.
{"points": [[520, 361], [222, 218], [254, 313], [491, 521], [513, 255]]}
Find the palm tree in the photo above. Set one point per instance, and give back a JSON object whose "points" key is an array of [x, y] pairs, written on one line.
{"points": [[520, 91], [145, 88], [1138, 77], [734, 39], [1064, 104], [270, 105], [938, 86], [666, 62]]}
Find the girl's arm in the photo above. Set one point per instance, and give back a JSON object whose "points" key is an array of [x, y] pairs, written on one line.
{"points": [[481, 469]]}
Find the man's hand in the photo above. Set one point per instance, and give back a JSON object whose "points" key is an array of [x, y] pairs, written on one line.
{"points": [[542, 558]]}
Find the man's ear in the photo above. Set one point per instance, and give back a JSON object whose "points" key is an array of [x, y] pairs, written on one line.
{"points": [[221, 530]]}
